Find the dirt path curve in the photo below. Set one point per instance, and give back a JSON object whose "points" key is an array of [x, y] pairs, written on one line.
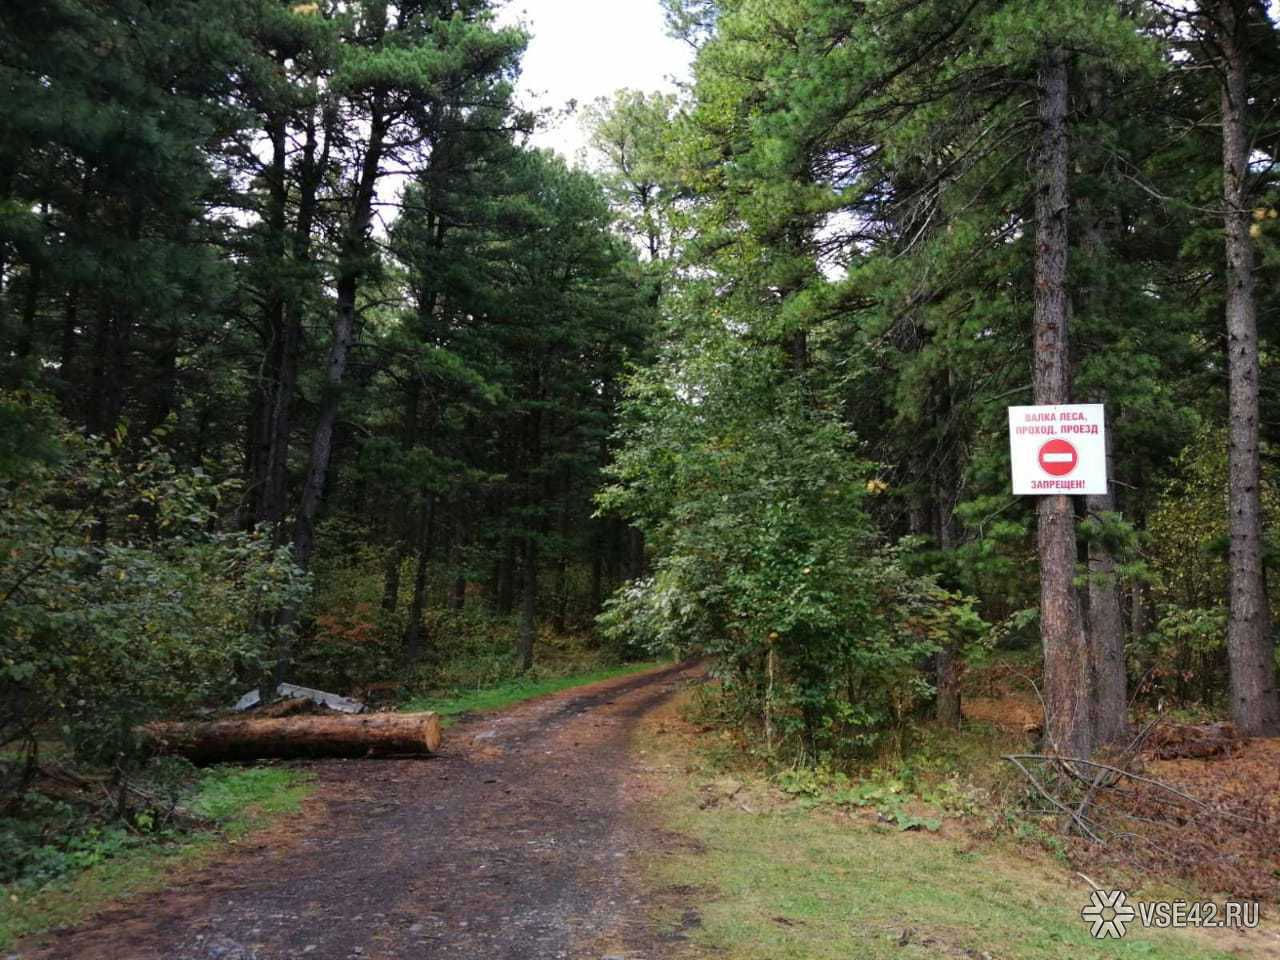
{"points": [[512, 843]]}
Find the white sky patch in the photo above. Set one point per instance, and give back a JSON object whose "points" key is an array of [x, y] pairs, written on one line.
{"points": [[584, 49]]}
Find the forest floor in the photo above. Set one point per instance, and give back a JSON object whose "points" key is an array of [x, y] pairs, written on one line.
{"points": [[598, 824], [771, 874]]}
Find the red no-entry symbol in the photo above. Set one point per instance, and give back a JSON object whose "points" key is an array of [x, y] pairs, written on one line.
{"points": [[1058, 458]]}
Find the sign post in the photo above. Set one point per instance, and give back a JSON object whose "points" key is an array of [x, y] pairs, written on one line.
{"points": [[1060, 449]]}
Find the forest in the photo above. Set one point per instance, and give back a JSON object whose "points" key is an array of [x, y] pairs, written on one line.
{"points": [[314, 369]]}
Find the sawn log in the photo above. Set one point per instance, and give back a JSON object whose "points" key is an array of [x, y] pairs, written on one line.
{"points": [[250, 738]]}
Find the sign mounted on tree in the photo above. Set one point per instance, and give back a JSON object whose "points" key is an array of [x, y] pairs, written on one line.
{"points": [[1058, 449]]}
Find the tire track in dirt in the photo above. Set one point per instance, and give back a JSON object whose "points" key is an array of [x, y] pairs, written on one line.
{"points": [[512, 843]]}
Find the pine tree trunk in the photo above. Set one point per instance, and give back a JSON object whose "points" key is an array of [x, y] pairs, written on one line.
{"points": [[528, 605], [948, 703], [506, 576], [949, 659], [418, 605], [351, 265], [344, 327], [458, 593], [596, 600], [70, 329], [635, 553], [287, 340], [30, 301], [457, 598], [560, 619], [613, 558], [1254, 707], [274, 384], [1106, 635], [391, 576], [1066, 660]]}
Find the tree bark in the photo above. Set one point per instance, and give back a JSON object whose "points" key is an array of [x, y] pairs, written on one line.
{"points": [[1254, 706], [373, 734], [1106, 631], [506, 577], [275, 506], [1066, 660], [344, 326], [391, 576], [351, 267], [560, 617], [1106, 634], [30, 302], [418, 605], [528, 605], [596, 599], [399, 549], [949, 660], [264, 458]]}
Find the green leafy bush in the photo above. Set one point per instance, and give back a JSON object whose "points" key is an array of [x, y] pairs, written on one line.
{"points": [[52, 839], [1182, 658], [121, 600], [752, 498]]}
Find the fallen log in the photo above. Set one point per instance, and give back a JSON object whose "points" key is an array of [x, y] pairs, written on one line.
{"points": [[251, 738]]}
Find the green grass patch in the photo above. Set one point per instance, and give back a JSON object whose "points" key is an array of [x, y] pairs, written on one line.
{"points": [[102, 866], [452, 705], [808, 887], [244, 799], [809, 877]]}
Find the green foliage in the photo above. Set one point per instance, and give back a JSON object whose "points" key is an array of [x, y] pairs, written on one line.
{"points": [[752, 498], [44, 840], [120, 600], [633, 133], [1187, 529], [28, 433], [49, 839], [1183, 656]]}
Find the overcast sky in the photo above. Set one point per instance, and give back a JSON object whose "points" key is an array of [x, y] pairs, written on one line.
{"points": [[584, 49]]}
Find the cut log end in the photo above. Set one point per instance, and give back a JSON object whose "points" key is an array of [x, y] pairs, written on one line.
{"points": [[254, 738]]}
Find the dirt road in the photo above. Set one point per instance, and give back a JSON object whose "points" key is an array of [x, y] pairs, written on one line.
{"points": [[513, 843]]}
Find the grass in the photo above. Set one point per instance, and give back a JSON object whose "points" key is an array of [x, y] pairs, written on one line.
{"points": [[505, 694], [802, 887], [244, 799], [240, 800], [788, 880]]}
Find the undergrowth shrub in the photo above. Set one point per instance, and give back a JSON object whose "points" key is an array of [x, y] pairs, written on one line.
{"points": [[122, 600], [753, 502]]}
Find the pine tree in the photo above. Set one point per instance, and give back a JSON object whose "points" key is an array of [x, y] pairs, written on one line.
{"points": [[1255, 707]]}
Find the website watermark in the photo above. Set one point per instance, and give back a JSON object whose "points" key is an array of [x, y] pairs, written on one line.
{"points": [[1110, 914]]}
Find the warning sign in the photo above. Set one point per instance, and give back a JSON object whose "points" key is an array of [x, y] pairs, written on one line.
{"points": [[1058, 449]]}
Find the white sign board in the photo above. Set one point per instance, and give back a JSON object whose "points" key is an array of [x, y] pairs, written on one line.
{"points": [[1058, 449]]}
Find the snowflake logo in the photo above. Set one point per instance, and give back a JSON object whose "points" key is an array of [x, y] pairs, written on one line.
{"points": [[1107, 914]]}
